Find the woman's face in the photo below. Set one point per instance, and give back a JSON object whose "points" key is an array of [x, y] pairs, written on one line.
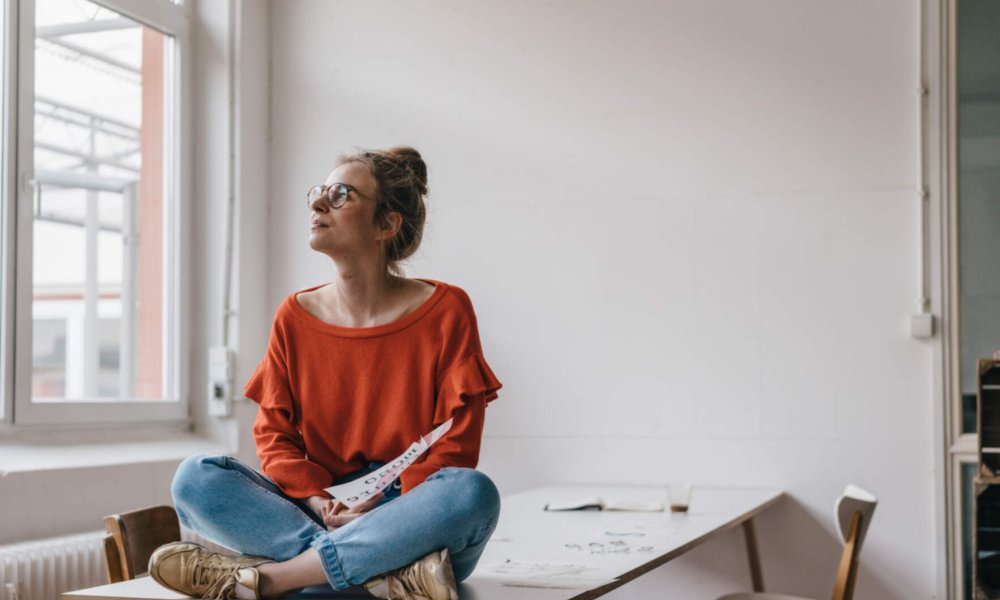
{"points": [[350, 229]]}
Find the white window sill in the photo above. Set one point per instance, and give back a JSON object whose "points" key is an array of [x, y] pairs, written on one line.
{"points": [[38, 454]]}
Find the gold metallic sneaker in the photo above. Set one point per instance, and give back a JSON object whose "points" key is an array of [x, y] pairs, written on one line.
{"points": [[429, 578], [193, 570]]}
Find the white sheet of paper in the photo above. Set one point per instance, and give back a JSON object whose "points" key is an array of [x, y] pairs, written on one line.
{"points": [[519, 573], [355, 492]]}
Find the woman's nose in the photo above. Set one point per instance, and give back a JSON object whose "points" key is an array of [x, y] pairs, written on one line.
{"points": [[319, 204]]}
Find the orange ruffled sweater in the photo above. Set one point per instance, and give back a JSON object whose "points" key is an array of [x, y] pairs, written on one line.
{"points": [[332, 399]]}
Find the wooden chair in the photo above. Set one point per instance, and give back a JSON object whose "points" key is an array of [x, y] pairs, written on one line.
{"points": [[133, 536], [853, 511]]}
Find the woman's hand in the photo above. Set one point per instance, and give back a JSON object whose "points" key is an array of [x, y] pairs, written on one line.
{"points": [[318, 504], [336, 514]]}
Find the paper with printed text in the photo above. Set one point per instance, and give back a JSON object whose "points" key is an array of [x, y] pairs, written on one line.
{"points": [[355, 492]]}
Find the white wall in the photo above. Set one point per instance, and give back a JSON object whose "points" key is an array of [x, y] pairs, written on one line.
{"points": [[246, 336], [690, 232]]}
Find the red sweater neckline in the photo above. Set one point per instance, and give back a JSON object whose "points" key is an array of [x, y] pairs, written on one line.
{"points": [[386, 328]]}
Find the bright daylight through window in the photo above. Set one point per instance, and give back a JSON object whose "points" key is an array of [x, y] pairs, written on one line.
{"points": [[101, 212]]}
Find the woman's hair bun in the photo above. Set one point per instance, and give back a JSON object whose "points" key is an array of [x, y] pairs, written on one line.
{"points": [[401, 175], [413, 161]]}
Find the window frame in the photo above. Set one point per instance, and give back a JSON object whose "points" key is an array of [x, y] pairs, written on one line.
{"points": [[8, 116], [956, 448], [16, 406]]}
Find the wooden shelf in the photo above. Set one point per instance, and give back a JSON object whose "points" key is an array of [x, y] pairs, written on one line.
{"points": [[986, 503]]}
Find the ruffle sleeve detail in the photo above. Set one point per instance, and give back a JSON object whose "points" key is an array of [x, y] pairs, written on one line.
{"points": [[467, 380], [268, 387]]}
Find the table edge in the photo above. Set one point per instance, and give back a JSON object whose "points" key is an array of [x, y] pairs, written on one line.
{"points": [[665, 558]]}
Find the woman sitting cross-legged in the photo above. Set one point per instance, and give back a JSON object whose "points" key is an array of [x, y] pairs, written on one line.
{"points": [[355, 371]]}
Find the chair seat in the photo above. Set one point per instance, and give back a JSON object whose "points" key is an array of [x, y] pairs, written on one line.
{"points": [[762, 596]]}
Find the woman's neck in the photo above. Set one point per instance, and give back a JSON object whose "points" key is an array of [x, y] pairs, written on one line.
{"points": [[361, 296]]}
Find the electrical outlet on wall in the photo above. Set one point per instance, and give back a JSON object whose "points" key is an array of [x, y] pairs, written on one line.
{"points": [[922, 326], [220, 375]]}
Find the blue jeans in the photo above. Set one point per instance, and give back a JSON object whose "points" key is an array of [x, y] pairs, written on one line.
{"points": [[226, 501]]}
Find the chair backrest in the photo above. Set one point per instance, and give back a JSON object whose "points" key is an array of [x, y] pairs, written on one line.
{"points": [[853, 512], [133, 536]]}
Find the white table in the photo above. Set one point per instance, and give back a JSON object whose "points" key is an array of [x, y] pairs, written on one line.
{"points": [[606, 549]]}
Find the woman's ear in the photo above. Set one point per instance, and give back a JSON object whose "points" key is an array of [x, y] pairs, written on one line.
{"points": [[390, 226]]}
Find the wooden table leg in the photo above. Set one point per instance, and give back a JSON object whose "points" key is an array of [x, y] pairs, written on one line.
{"points": [[755, 572]]}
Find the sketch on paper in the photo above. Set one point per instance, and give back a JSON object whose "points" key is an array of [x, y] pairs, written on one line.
{"points": [[608, 547]]}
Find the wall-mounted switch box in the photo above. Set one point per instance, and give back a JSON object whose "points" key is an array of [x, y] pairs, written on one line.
{"points": [[220, 375], [922, 326]]}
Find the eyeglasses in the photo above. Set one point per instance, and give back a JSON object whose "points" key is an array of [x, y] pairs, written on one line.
{"points": [[335, 194]]}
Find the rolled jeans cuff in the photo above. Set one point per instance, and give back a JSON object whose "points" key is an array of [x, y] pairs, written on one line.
{"points": [[331, 562]]}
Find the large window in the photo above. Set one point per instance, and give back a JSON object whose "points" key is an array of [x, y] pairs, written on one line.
{"points": [[95, 264], [974, 282], [978, 190]]}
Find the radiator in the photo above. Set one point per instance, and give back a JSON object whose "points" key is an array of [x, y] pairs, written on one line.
{"points": [[44, 569]]}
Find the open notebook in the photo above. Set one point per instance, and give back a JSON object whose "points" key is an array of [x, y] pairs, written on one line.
{"points": [[598, 503]]}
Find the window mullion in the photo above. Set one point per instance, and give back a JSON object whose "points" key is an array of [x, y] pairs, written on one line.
{"points": [[24, 200], [8, 152], [128, 313]]}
